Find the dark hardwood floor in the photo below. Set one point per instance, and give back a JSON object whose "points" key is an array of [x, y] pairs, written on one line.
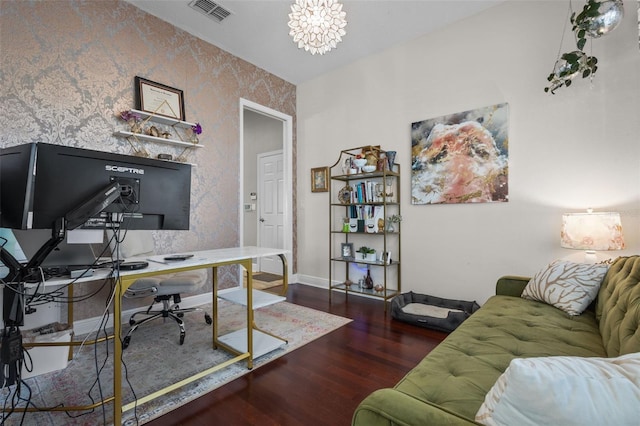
{"points": [[322, 382]]}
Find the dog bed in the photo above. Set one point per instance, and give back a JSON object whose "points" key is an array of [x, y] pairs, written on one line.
{"points": [[430, 311]]}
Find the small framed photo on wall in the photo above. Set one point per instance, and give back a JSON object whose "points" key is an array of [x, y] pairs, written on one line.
{"points": [[320, 179], [346, 250]]}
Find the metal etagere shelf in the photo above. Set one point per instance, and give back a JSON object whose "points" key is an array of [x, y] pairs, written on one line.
{"points": [[361, 201]]}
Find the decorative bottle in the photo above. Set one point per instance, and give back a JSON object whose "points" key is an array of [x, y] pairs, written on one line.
{"points": [[368, 281]]}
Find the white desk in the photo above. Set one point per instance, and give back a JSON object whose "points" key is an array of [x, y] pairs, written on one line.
{"points": [[241, 344], [213, 259]]}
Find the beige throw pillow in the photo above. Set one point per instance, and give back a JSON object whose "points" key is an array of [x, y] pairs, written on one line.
{"points": [[566, 285], [565, 390]]}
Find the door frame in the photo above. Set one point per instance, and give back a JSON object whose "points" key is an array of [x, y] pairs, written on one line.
{"points": [[287, 158]]}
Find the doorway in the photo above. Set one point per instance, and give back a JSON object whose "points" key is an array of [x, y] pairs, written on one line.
{"points": [[265, 132]]}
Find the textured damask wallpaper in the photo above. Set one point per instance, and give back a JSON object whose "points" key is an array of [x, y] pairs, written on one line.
{"points": [[68, 69]]}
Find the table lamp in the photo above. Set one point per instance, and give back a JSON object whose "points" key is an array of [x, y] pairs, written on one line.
{"points": [[591, 232]]}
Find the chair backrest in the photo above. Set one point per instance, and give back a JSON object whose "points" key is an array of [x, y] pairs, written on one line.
{"points": [[140, 243], [134, 243]]}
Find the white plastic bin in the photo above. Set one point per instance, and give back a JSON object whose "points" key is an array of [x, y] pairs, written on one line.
{"points": [[46, 359]]}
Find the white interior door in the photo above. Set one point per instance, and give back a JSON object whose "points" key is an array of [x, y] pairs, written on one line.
{"points": [[271, 208]]}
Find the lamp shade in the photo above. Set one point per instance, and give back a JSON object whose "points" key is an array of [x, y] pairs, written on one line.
{"points": [[592, 231]]}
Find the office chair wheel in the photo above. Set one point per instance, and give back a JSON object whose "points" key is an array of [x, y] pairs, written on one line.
{"points": [[208, 319], [180, 315], [125, 342], [132, 321]]}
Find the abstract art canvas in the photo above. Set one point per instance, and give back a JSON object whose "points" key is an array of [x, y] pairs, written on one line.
{"points": [[461, 158]]}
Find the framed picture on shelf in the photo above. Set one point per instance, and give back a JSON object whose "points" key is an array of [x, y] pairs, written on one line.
{"points": [[346, 250], [320, 179], [156, 98]]}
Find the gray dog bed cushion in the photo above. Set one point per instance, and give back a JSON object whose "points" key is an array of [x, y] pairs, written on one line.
{"points": [[430, 311]]}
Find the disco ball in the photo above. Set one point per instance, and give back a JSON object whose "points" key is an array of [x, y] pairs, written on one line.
{"points": [[609, 15]]}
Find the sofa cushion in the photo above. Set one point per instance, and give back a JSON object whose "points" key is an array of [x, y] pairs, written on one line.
{"points": [[460, 371], [618, 307], [566, 285], [565, 391]]}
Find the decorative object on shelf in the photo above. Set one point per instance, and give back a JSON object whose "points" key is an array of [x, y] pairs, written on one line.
{"points": [[166, 135], [396, 218], [359, 161], [378, 287], [346, 167], [388, 191], [156, 98], [371, 155], [345, 224], [368, 281], [346, 250], [320, 179], [317, 25], [592, 232], [597, 18], [344, 195], [167, 157], [194, 132], [369, 168], [367, 253], [133, 120], [391, 159], [153, 131], [348, 283], [461, 158]]}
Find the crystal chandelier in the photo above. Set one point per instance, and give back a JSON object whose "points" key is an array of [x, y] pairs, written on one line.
{"points": [[317, 25]]}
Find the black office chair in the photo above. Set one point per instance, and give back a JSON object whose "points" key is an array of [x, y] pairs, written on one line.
{"points": [[163, 288]]}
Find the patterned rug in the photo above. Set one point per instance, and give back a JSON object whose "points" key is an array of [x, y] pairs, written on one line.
{"points": [[154, 359]]}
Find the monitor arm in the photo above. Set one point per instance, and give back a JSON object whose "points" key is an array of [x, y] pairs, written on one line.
{"points": [[72, 220]]}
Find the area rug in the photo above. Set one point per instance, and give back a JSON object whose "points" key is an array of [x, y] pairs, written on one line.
{"points": [[155, 359]]}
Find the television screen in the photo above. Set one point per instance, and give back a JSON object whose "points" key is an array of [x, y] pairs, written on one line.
{"points": [[42, 183]]}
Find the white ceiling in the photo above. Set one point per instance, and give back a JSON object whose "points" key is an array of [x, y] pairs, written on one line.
{"points": [[257, 30]]}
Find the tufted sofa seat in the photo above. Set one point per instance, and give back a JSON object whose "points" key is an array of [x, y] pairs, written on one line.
{"points": [[449, 385]]}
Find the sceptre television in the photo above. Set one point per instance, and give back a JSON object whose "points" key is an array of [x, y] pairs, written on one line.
{"points": [[41, 183]]}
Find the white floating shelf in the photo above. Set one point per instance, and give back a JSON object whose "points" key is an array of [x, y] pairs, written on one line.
{"points": [[164, 120], [125, 134]]}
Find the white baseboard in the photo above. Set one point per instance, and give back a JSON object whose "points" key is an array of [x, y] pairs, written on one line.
{"points": [[313, 281]]}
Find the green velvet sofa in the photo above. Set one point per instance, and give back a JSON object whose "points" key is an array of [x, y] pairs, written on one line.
{"points": [[449, 385]]}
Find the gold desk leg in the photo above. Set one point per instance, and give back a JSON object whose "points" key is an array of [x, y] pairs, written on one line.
{"points": [[214, 291], [285, 275], [248, 266]]}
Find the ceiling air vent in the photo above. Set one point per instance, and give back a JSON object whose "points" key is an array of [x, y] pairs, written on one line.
{"points": [[211, 9]]}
